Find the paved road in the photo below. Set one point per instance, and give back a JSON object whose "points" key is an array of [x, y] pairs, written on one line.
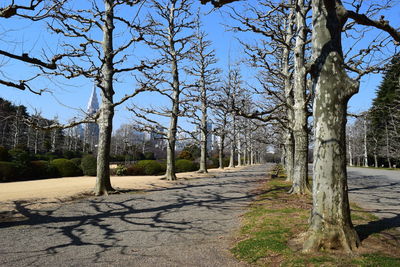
{"points": [[186, 225], [379, 192]]}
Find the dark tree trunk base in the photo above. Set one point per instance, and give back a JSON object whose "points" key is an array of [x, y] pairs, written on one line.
{"points": [[331, 238], [300, 190], [202, 171], [106, 191]]}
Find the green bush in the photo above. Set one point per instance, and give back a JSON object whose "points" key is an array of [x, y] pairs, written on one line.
{"points": [[66, 168], [184, 165], [77, 162], [42, 169], [151, 167], [89, 165], [72, 154], [8, 171], [19, 157], [22, 160], [149, 156], [4, 156]]}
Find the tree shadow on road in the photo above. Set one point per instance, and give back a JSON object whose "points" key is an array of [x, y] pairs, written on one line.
{"points": [[380, 226], [106, 223]]}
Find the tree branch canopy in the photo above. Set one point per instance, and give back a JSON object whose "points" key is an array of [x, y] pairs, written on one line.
{"points": [[26, 58], [380, 24]]}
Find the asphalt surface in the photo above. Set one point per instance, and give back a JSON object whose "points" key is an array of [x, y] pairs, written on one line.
{"points": [[377, 191], [189, 224]]}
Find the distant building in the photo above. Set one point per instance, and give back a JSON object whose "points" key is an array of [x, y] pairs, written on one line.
{"points": [[91, 130], [156, 137]]}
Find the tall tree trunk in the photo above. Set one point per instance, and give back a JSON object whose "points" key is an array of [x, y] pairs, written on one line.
{"points": [[350, 152], [239, 151], [289, 143], [204, 130], [330, 222], [103, 183], [289, 155], [170, 173], [365, 143], [300, 132], [388, 146], [221, 151], [233, 141]]}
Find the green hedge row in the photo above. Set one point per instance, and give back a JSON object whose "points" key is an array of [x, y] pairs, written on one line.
{"points": [[39, 169]]}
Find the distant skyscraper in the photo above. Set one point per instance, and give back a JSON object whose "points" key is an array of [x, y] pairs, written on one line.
{"points": [[91, 134]]}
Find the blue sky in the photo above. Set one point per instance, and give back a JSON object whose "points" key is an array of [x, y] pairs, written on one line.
{"points": [[69, 96]]}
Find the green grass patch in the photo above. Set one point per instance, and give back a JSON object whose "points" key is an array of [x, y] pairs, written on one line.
{"points": [[277, 217]]}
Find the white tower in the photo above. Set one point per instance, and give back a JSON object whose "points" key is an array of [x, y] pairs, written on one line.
{"points": [[91, 135]]}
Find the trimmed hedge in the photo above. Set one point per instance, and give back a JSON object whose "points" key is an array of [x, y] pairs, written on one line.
{"points": [[151, 167], [184, 165], [89, 165], [66, 168], [4, 156], [77, 162], [42, 169], [8, 171]]}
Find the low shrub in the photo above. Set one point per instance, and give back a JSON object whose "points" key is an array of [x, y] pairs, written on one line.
{"points": [[184, 165], [135, 169], [89, 165], [149, 156], [66, 168], [4, 156], [151, 167], [42, 169], [8, 171], [77, 162], [121, 170]]}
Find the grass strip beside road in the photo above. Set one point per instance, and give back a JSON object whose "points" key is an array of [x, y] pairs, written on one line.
{"points": [[277, 218]]}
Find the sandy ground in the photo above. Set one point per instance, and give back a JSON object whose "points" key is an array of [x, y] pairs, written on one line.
{"points": [[50, 191]]}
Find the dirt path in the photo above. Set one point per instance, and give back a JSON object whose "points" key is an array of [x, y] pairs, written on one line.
{"points": [[186, 224]]}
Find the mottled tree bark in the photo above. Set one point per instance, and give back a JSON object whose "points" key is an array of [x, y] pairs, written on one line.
{"points": [[365, 143], [289, 155], [239, 152], [103, 183], [221, 152], [203, 128], [289, 139], [170, 172], [300, 132], [330, 222], [172, 131]]}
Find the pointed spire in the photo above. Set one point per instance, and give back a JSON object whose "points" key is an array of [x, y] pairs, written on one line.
{"points": [[93, 104]]}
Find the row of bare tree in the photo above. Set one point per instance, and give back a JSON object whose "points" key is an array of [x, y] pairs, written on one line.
{"points": [[291, 76]]}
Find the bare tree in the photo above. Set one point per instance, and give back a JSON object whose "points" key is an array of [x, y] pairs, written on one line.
{"points": [[100, 60], [171, 31], [206, 76], [330, 224], [33, 10]]}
